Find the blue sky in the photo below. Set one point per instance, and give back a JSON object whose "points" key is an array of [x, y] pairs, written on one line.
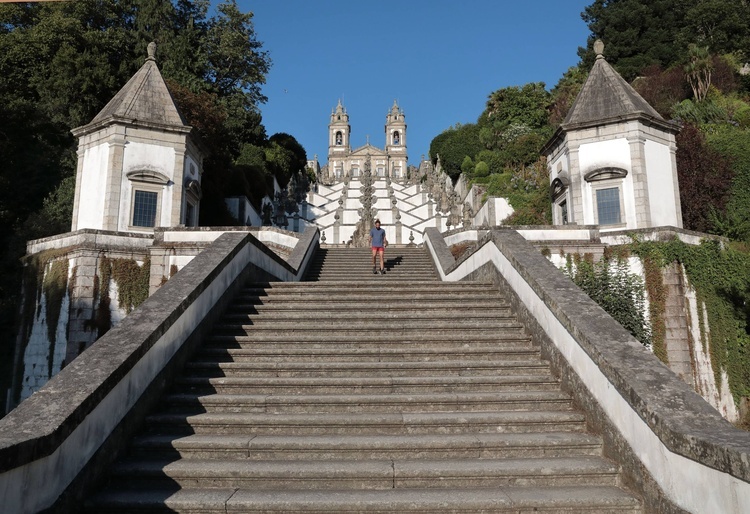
{"points": [[440, 59]]}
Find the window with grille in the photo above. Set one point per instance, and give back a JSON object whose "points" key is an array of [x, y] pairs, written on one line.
{"points": [[564, 212], [608, 205], [144, 208]]}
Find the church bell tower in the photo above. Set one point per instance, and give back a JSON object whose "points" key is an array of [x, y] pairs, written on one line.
{"points": [[395, 141]]}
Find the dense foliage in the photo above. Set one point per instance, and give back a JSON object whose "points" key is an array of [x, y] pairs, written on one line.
{"points": [[501, 150], [610, 284], [642, 33], [721, 280]]}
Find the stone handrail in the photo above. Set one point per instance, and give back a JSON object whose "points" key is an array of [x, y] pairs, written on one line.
{"points": [[70, 429], [674, 447]]}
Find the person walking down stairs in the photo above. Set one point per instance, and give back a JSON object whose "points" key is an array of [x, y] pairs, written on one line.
{"points": [[378, 242]]}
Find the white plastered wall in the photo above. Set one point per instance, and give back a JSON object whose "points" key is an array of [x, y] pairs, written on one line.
{"points": [[93, 186], [661, 186], [613, 153], [142, 156]]}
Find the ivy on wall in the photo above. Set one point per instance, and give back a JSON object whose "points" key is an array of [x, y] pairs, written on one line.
{"points": [[720, 275], [45, 273], [610, 284], [132, 283]]}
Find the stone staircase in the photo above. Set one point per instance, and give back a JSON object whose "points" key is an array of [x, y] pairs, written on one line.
{"points": [[395, 393], [346, 264]]}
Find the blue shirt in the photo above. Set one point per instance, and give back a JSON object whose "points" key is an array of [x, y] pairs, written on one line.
{"points": [[378, 236]]}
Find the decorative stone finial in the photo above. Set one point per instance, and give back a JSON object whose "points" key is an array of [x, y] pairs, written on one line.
{"points": [[151, 51], [599, 49]]}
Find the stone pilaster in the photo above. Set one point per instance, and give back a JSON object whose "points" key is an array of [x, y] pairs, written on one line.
{"points": [[79, 178], [178, 188], [640, 181], [575, 208], [114, 181]]}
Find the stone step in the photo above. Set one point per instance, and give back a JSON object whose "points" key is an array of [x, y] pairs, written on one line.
{"points": [[424, 402], [473, 339], [365, 273], [355, 314], [369, 385], [368, 317], [368, 423], [385, 327], [367, 474], [366, 268], [392, 261], [529, 366], [435, 353], [345, 308], [361, 447], [510, 499], [436, 288], [356, 299]]}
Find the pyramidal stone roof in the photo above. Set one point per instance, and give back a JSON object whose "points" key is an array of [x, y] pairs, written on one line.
{"points": [[144, 100], [606, 96]]}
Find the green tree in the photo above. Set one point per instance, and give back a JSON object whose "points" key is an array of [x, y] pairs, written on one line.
{"points": [[565, 92], [481, 169], [453, 145], [705, 178], [733, 143], [720, 25], [467, 167], [698, 71], [512, 112], [636, 33], [299, 156]]}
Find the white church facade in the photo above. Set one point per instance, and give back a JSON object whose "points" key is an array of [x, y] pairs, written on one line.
{"points": [[391, 161]]}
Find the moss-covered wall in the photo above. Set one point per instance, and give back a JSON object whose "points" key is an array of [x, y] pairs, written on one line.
{"points": [[71, 297], [717, 273]]}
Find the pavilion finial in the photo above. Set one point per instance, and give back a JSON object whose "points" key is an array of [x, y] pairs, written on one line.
{"points": [[599, 49], [151, 51]]}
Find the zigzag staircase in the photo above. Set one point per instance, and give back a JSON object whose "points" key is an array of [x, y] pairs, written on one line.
{"points": [[354, 392]]}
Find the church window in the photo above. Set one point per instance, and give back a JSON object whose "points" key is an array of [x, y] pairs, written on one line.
{"points": [[355, 171], [193, 195], [190, 215], [558, 193], [397, 171], [606, 184], [381, 171], [144, 208], [396, 138], [564, 212], [608, 206], [145, 201], [339, 138]]}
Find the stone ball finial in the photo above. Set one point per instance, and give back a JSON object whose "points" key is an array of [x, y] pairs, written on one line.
{"points": [[151, 51], [599, 49]]}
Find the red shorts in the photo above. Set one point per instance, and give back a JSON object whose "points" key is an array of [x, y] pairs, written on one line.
{"points": [[378, 249]]}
